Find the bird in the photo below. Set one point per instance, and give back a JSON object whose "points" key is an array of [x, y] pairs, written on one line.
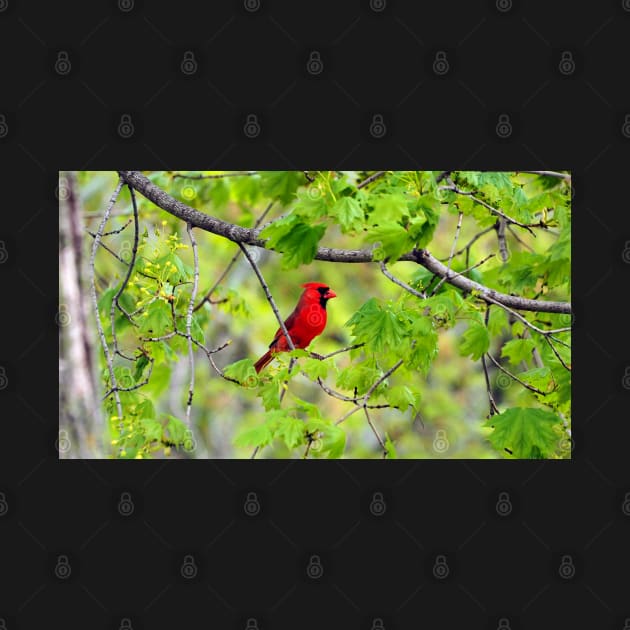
{"points": [[307, 320]]}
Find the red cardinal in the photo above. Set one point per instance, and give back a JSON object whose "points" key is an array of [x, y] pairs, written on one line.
{"points": [[306, 322]]}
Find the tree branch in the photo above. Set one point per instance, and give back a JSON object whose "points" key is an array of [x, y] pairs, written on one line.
{"points": [[250, 236], [191, 303], [99, 325]]}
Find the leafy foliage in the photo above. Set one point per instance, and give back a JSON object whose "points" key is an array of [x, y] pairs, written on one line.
{"points": [[415, 362]]}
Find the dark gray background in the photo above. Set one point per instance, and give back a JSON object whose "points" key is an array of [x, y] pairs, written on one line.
{"points": [[440, 82]]}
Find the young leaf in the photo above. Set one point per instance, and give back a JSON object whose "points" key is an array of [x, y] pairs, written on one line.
{"points": [[242, 371], [348, 213], [525, 432], [391, 449], [393, 237], [292, 431], [158, 318], [475, 341], [518, 350]]}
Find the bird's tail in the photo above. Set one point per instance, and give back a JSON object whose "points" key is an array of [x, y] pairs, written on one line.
{"points": [[264, 360]]}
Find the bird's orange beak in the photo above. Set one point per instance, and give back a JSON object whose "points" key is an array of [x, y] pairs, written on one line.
{"points": [[330, 294]]}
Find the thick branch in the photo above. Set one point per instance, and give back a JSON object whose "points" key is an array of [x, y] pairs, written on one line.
{"points": [[250, 236]]}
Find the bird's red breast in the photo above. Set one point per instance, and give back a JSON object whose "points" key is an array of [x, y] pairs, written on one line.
{"points": [[307, 320]]}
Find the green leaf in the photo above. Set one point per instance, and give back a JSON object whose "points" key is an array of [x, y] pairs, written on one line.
{"points": [[541, 378], [393, 237], [390, 448], [105, 301], [526, 433], [141, 362], [400, 396], [260, 435], [314, 368], [498, 321], [176, 429], [423, 227], [269, 394], [158, 318], [518, 350], [145, 409], [422, 353], [311, 204], [281, 185], [379, 328], [291, 431], [333, 437], [151, 428], [475, 341], [348, 213], [295, 239], [358, 376], [389, 209], [160, 379], [242, 371]]}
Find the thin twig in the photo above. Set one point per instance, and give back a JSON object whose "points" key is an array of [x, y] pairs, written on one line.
{"points": [[514, 377], [471, 241], [227, 270], [285, 385], [237, 174], [525, 321], [370, 179], [565, 176], [378, 437], [503, 248], [519, 239], [115, 303], [450, 258], [493, 405], [566, 367], [268, 295], [399, 282], [191, 303], [99, 325], [452, 186], [137, 385], [332, 354]]}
